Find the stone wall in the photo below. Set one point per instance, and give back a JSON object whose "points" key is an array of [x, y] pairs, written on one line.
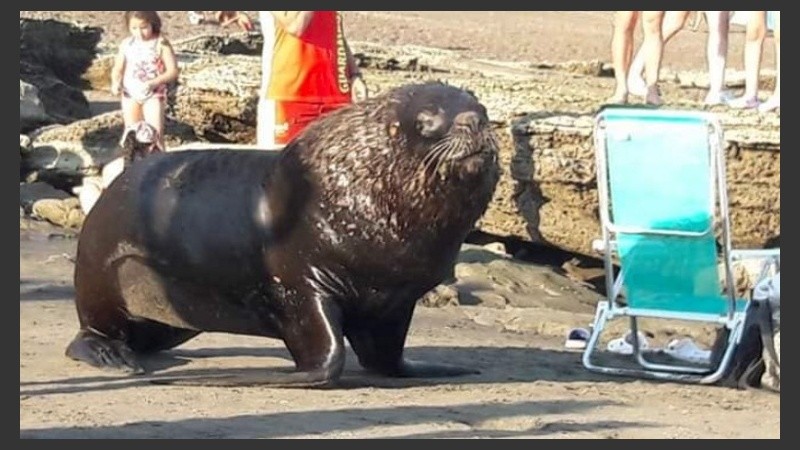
{"points": [[551, 185]]}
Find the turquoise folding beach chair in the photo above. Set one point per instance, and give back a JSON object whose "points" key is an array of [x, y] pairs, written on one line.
{"points": [[662, 194]]}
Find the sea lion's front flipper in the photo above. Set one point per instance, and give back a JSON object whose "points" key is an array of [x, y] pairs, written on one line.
{"points": [[379, 346]]}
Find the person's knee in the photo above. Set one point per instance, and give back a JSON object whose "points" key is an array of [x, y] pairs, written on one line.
{"points": [[154, 113], [756, 29], [131, 112], [756, 35]]}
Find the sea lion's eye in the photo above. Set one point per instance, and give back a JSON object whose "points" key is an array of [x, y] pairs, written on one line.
{"points": [[429, 123]]}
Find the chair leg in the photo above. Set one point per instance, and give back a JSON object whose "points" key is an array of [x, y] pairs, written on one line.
{"points": [[733, 341], [600, 319], [652, 370]]}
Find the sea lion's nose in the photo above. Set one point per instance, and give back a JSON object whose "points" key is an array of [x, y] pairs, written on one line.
{"points": [[468, 119]]}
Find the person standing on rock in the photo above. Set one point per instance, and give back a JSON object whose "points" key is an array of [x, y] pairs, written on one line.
{"points": [[307, 70], [758, 22], [622, 53], [144, 65], [716, 53]]}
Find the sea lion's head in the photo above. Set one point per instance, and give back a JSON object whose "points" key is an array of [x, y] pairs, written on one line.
{"points": [[414, 141], [417, 158], [447, 127]]}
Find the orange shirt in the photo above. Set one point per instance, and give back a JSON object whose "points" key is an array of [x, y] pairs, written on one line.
{"points": [[308, 68]]}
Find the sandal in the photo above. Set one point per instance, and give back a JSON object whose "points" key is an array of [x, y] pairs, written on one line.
{"points": [[686, 350], [577, 338], [624, 345]]}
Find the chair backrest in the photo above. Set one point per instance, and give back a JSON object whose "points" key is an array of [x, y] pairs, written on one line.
{"points": [[660, 174]]}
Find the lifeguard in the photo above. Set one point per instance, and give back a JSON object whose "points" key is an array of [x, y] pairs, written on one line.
{"points": [[307, 70]]}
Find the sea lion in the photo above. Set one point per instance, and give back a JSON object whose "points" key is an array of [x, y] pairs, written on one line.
{"points": [[336, 236]]}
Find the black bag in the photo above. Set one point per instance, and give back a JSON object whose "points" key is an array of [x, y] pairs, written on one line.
{"points": [[747, 364]]}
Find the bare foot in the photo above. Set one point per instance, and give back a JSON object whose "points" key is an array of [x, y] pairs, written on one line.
{"points": [[717, 98], [619, 98], [771, 104], [744, 103], [637, 86]]}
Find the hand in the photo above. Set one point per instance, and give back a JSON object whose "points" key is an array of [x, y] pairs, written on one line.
{"points": [[358, 89], [241, 19], [116, 89], [149, 86]]}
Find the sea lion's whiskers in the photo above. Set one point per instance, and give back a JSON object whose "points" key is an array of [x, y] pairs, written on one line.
{"points": [[435, 156]]}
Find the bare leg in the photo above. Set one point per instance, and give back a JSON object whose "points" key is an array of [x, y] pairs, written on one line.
{"points": [[653, 46], [674, 21], [154, 109], [774, 102], [131, 111], [756, 31], [717, 54], [621, 52], [266, 116]]}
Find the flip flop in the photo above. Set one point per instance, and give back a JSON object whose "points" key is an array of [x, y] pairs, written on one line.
{"points": [[624, 346], [577, 338], [686, 350]]}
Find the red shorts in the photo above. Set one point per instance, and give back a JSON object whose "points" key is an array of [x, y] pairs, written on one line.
{"points": [[281, 121]]}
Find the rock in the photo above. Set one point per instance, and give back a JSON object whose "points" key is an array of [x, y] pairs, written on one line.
{"points": [[733, 79], [65, 213], [31, 110], [29, 193], [231, 44], [61, 102], [83, 147], [497, 248], [98, 74], [53, 57], [554, 184], [484, 277], [24, 144], [218, 95], [65, 49], [440, 296]]}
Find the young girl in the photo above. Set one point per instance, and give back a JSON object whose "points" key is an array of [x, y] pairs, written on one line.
{"points": [[144, 65]]}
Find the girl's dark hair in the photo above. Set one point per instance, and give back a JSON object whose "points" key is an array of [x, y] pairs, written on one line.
{"points": [[150, 17]]}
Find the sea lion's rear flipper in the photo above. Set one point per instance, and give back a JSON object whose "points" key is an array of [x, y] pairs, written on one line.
{"points": [[100, 351]]}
